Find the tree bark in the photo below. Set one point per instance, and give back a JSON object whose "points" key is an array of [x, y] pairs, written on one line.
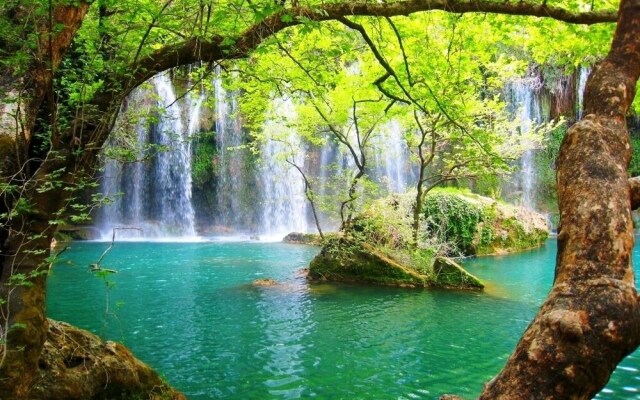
{"points": [[591, 319], [24, 256], [23, 324]]}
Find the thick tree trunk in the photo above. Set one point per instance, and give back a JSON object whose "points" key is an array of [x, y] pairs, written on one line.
{"points": [[23, 255], [24, 324], [591, 319], [23, 281]]}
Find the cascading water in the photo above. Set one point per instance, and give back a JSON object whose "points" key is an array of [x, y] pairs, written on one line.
{"points": [[523, 97], [172, 169], [583, 75], [391, 158], [284, 206], [250, 197], [154, 198], [230, 162], [117, 180]]}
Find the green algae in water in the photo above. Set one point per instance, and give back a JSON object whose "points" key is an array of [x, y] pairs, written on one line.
{"points": [[191, 312]]}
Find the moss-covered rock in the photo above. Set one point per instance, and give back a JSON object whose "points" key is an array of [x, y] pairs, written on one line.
{"points": [[449, 274], [379, 247], [348, 260], [303, 238], [76, 364], [475, 225], [264, 282]]}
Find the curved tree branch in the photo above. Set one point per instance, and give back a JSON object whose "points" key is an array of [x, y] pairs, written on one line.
{"points": [[217, 48]]}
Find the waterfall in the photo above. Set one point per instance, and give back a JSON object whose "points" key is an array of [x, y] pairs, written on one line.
{"points": [[245, 194], [583, 74], [172, 170], [391, 158], [263, 198], [284, 205], [154, 197], [230, 161], [523, 96]]}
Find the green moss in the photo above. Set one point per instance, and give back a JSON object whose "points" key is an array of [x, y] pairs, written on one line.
{"points": [[508, 235], [449, 274], [348, 260], [453, 220], [378, 247], [353, 261], [312, 239], [475, 225], [203, 166]]}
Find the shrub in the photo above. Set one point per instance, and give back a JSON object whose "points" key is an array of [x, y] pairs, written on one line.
{"points": [[452, 219]]}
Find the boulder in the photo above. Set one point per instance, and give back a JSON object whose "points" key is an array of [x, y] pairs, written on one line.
{"points": [[356, 262], [449, 274], [378, 246], [76, 364], [303, 238], [265, 282]]}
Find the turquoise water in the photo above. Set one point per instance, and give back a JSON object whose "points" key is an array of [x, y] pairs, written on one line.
{"points": [[190, 311]]}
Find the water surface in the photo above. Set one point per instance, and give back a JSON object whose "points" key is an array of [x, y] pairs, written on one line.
{"points": [[190, 311]]}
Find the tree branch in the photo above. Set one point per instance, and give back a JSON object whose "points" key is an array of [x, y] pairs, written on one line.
{"points": [[216, 48]]}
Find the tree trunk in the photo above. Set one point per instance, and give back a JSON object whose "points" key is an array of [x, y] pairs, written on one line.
{"points": [[24, 324], [24, 269], [23, 255], [591, 319]]}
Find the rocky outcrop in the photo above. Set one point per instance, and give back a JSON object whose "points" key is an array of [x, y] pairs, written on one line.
{"points": [[344, 260], [303, 238], [264, 282], [378, 246], [449, 274], [475, 225], [349, 261], [76, 364]]}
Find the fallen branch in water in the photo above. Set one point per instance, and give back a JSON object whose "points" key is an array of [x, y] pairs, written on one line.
{"points": [[96, 267]]}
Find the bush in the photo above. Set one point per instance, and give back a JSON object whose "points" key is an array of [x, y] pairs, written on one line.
{"points": [[452, 220]]}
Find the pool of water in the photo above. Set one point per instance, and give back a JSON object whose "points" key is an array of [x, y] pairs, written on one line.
{"points": [[190, 311]]}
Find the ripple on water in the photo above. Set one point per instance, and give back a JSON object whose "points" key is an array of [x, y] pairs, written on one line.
{"points": [[191, 311]]}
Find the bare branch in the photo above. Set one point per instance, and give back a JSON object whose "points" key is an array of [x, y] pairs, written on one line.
{"points": [[404, 53]]}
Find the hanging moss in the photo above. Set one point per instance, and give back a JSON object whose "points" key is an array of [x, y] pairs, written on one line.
{"points": [[474, 225]]}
